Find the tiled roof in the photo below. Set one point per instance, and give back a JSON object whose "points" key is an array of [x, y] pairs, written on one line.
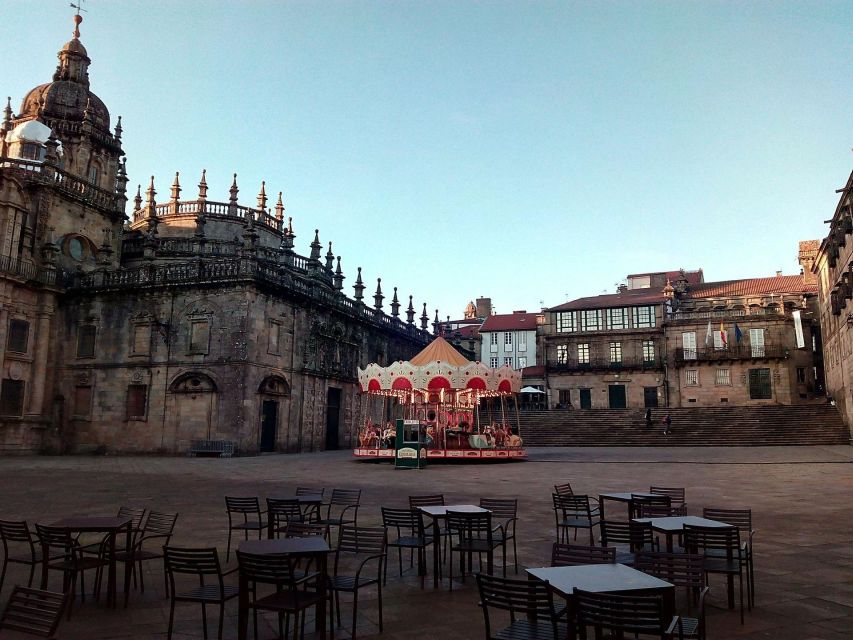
{"points": [[693, 277], [628, 298], [536, 371], [751, 287], [510, 322], [468, 331]]}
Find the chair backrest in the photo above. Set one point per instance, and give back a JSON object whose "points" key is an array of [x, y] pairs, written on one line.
{"points": [[33, 612], [563, 489], [656, 506], [284, 511], [136, 515], [620, 613], [740, 518], [194, 561], [501, 508], [160, 524], [15, 531], [409, 519], [362, 540], [435, 500], [699, 539], [576, 505], [55, 537], [635, 534], [532, 598], [681, 569], [345, 496], [469, 526], [242, 505], [676, 494], [305, 530], [310, 491], [266, 568], [570, 555]]}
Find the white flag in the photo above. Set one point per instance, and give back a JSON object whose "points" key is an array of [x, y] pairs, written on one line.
{"points": [[798, 329], [709, 337]]}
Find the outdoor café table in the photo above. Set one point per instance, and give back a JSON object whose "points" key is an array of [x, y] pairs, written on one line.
{"points": [[306, 500], [605, 578], [621, 497], [311, 547], [675, 524], [438, 513], [112, 526]]}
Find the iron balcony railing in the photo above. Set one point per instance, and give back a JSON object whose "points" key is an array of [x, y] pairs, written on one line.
{"points": [[604, 364], [734, 352]]}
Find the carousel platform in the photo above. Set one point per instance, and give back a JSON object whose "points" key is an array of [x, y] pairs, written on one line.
{"points": [[447, 455]]}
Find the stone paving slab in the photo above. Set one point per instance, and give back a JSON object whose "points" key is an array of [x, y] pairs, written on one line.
{"points": [[800, 497]]}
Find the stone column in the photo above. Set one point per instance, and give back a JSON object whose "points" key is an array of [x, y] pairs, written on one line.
{"points": [[4, 326], [38, 373]]}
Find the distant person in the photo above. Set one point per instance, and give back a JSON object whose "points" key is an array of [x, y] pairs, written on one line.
{"points": [[648, 418], [667, 424]]}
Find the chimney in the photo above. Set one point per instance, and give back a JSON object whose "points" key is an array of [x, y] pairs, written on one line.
{"points": [[779, 273], [484, 307], [806, 258]]}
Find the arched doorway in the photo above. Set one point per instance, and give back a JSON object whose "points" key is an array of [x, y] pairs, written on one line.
{"points": [[193, 397], [272, 390]]}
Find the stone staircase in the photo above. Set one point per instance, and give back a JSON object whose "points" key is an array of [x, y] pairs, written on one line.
{"points": [[815, 424]]}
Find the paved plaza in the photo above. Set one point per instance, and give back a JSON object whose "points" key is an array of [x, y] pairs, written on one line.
{"points": [[801, 501]]}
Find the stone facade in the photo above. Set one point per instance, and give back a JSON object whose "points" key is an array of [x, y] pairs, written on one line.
{"points": [[195, 320]]}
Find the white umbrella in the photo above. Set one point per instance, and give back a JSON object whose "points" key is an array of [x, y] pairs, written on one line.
{"points": [[531, 390]]}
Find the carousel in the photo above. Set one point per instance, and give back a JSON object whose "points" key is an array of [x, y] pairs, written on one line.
{"points": [[465, 410]]}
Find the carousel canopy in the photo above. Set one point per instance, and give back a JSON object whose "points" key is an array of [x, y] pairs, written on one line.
{"points": [[439, 366]]}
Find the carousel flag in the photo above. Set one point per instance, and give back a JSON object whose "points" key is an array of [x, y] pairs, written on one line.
{"points": [[798, 329]]}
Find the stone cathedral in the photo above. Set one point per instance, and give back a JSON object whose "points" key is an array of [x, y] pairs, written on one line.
{"points": [[191, 319]]}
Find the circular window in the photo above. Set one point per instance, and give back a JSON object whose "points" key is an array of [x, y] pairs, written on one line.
{"points": [[76, 249]]}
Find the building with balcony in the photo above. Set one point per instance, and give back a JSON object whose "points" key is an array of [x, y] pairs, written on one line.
{"points": [[509, 339]]}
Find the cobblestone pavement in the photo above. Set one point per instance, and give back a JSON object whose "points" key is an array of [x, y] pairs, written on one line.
{"points": [[801, 500]]}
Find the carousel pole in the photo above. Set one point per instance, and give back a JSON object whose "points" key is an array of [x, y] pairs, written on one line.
{"points": [[517, 415], [503, 411]]}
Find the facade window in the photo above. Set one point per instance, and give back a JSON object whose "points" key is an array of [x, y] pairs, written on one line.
{"points": [[759, 384], [591, 320], [691, 377], [82, 406], [507, 339], [723, 377], [566, 322], [94, 174], [522, 340], [644, 317], [508, 362], [86, 341], [648, 351], [801, 375], [522, 362], [31, 151], [617, 318], [199, 336], [562, 354], [12, 398], [274, 337], [493, 362], [719, 343], [688, 345], [141, 340], [615, 352], [756, 342], [137, 401], [583, 353], [494, 338], [19, 333]]}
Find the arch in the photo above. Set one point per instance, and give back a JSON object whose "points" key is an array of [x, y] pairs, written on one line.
{"points": [[193, 382], [373, 385], [476, 383], [506, 386], [274, 385], [401, 384], [439, 382]]}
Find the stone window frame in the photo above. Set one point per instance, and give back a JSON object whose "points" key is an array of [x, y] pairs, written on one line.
{"points": [[691, 377], [26, 339], [616, 352], [134, 327], [88, 324], [127, 406], [583, 352], [648, 350], [18, 403], [562, 354], [192, 349], [274, 325], [723, 377], [88, 413]]}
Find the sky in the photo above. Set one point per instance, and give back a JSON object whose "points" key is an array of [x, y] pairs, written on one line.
{"points": [[531, 152]]}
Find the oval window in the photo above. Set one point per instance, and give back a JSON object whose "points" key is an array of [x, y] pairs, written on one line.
{"points": [[76, 249]]}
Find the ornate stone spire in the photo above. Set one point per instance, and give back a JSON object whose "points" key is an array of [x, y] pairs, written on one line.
{"points": [[359, 287], [150, 202], [137, 201], [315, 247], [105, 251], [435, 324], [176, 188], [424, 318], [118, 130], [279, 209], [232, 199], [7, 116], [121, 178], [410, 312], [395, 305], [262, 197], [378, 297], [88, 115], [288, 236], [150, 250], [202, 186], [330, 257], [52, 153], [339, 276]]}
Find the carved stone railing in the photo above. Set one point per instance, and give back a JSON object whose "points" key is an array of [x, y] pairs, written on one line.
{"points": [[726, 313], [209, 209], [30, 272]]}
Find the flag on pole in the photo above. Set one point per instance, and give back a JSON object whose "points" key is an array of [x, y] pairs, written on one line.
{"points": [[723, 339], [709, 337], [738, 334]]}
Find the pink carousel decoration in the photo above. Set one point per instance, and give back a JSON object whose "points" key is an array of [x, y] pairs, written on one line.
{"points": [[466, 409]]}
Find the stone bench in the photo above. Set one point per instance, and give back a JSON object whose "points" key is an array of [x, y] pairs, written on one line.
{"points": [[219, 448]]}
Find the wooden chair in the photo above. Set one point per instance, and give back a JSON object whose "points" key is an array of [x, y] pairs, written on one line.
{"points": [[636, 535], [622, 614], [366, 545], [342, 508], [682, 570], [570, 555], [250, 511], [278, 571], [722, 554], [33, 612], [529, 603], [410, 534], [742, 519], [160, 527], [676, 497], [472, 533], [19, 547], [573, 512], [505, 513], [202, 564], [281, 513]]}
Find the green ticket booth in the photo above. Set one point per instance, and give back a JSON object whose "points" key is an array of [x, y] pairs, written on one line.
{"points": [[410, 445]]}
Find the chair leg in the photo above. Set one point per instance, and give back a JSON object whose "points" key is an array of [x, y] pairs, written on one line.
{"points": [[228, 548], [29, 582], [3, 573], [141, 577], [204, 619], [171, 618], [354, 612], [380, 607], [338, 606], [514, 552], [221, 618]]}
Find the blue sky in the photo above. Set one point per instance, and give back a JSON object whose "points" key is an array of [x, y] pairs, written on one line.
{"points": [[527, 151]]}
